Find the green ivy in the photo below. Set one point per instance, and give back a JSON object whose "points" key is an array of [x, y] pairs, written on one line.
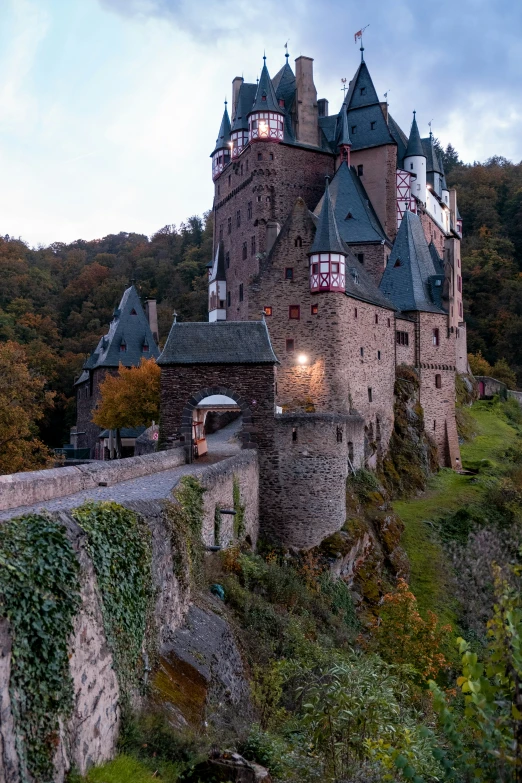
{"points": [[239, 508], [39, 596], [119, 543], [217, 526], [185, 518]]}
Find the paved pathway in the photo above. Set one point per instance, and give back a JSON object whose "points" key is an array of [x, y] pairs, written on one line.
{"points": [[221, 445]]}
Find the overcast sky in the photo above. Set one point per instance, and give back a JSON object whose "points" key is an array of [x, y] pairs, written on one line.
{"points": [[109, 109]]}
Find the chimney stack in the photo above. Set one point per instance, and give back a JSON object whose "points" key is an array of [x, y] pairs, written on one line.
{"points": [[307, 117], [236, 84], [151, 311], [322, 105]]}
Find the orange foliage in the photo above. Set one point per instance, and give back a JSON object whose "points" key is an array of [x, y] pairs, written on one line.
{"points": [[400, 635], [131, 398]]}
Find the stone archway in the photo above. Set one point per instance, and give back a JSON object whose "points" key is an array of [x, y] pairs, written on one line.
{"points": [[192, 404]]}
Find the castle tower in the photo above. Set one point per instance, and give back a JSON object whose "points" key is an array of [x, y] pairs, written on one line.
{"points": [[221, 155], [327, 253], [217, 288], [415, 162], [265, 119]]}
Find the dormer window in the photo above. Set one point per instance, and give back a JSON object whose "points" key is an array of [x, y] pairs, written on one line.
{"points": [[372, 125], [123, 346], [360, 170], [145, 347], [362, 91], [133, 312], [397, 263], [281, 103], [349, 216], [355, 275], [353, 130], [263, 97]]}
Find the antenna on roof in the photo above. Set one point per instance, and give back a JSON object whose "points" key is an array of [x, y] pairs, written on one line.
{"points": [[344, 87]]}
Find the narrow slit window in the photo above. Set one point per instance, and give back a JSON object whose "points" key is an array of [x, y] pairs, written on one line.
{"points": [[370, 394]]}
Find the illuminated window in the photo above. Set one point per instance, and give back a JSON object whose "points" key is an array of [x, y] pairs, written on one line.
{"points": [[314, 309], [267, 311], [294, 312]]}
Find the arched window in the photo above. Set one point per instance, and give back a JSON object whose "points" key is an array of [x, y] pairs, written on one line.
{"points": [[438, 382], [298, 242]]}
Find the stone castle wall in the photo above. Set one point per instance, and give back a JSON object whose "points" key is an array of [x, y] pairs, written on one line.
{"points": [[379, 180], [375, 258], [85, 405]]}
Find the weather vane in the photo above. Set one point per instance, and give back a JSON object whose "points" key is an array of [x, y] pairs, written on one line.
{"points": [[344, 87]]}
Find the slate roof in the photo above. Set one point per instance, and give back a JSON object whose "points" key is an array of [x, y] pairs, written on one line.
{"points": [[284, 84], [327, 239], [245, 99], [224, 132], [265, 99], [412, 284], [414, 142], [360, 285], [130, 326], [360, 125], [399, 138], [343, 133], [432, 159], [125, 432], [361, 81], [437, 260], [219, 342], [349, 197], [218, 264]]}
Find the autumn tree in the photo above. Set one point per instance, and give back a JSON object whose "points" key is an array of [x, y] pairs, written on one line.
{"points": [[478, 365], [129, 399], [401, 635], [23, 402]]}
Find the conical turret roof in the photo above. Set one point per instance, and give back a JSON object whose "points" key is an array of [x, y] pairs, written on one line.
{"points": [[414, 142], [343, 136], [223, 138], [265, 99], [327, 239]]}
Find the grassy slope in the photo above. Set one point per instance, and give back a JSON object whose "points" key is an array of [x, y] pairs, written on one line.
{"points": [[123, 769], [447, 492]]}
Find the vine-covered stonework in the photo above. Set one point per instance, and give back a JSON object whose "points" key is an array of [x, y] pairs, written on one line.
{"points": [[185, 518], [119, 544], [39, 596], [239, 508]]}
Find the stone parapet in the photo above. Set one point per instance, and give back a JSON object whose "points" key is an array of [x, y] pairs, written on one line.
{"points": [[24, 489]]}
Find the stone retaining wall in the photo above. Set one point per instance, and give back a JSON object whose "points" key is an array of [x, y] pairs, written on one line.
{"points": [[24, 489]]}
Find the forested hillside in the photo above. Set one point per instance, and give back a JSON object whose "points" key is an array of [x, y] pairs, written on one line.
{"points": [[57, 301]]}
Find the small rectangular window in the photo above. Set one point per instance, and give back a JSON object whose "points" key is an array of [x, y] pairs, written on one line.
{"points": [[290, 346], [260, 156], [238, 218], [389, 322], [360, 258], [294, 434], [372, 125], [362, 90], [227, 260], [229, 225], [314, 309], [289, 273], [438, 382], [360, 169], [376, 318], [249, 210], [361, 351], [245, 251], [370, 394], [402, 338], [315, 269], [228, 299], [378, 355], [241, 292], [267, 311], [411, 166], [253, 246], [339, 433], [353, 130], [436, 337], [294, 312], [271, 156], [355, 313]]}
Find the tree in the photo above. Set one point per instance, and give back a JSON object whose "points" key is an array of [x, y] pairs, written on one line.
{"points": [[479, 365], [503, 372], [23, 402], [401, 636], [129, 399]]}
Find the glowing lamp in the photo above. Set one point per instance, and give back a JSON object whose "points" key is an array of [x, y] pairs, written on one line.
{"points": [[302, 359]]}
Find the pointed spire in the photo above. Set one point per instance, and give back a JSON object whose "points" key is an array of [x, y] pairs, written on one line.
{"points": [[343, 138], [223, 139], [414, 142], [327, 239], [265, 99], [362, 51]]}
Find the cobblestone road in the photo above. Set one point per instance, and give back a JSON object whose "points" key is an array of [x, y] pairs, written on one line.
{"points": [[221, 445]]}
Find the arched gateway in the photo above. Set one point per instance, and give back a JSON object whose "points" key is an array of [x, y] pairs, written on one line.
{"points": [[230, 358]]}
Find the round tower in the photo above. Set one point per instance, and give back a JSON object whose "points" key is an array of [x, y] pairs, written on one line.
{"points": [[221, 155], [327, 253], [415, 162]]}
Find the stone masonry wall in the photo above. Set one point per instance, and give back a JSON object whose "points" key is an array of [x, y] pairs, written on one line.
{"points": [[375, 258], [336, 376], [405, 354], [439, 403], [304, 492], [85, 405], [271, 184]]}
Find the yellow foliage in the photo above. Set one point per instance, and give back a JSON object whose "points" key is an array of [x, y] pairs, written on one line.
{"points": [[22, 403], [131, 398], [479, 365]]}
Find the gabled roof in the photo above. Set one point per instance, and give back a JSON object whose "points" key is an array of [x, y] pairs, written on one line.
{"points": [[411, 279], [129, 327], [437, 260], [218, 265], [368, 127], [284, 84], [359, 284], [265, 99], [245, 99], [361, 91], [349, 198], [219, 342], [327, 239], [414, 142]]}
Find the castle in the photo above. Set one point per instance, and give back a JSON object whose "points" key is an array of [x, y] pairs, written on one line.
{"points": [[337, 231]]}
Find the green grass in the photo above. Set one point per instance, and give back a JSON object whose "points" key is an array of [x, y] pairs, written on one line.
{"points": [[124, 769], [448, 491]]}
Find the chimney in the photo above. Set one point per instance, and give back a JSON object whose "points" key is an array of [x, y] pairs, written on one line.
{"points": [[236, 84], [307, 119], [151, 311], [322, 106]]}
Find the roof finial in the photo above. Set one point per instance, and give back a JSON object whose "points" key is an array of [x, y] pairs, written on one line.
{"points": [[359, 34], [264, 56], [226, 102], [327, 180], [414, 113], [431, 131], [362, 53], [175, 316]]}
